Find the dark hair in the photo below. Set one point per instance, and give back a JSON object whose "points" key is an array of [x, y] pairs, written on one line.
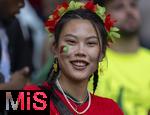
{"points": [[97, 23]]}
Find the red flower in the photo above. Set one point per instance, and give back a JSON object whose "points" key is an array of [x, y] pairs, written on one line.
{"points": [[55, 15], [51, 23], [64, 4], [89, 5], [109, 22]]}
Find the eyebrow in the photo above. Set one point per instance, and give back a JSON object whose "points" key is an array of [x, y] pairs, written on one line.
{"points": [[92, 37], [70, 35]]}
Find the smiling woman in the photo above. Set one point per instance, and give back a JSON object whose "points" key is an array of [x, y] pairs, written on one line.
{"points": [[80, 43]]}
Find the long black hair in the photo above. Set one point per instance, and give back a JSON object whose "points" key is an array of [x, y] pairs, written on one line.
{"points": [[97, 23]]}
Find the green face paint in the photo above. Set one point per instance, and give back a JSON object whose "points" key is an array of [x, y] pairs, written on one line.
{"points": [[66, 49]]}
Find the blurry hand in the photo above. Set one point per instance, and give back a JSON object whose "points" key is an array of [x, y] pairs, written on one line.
{"points": [[19, 78]]}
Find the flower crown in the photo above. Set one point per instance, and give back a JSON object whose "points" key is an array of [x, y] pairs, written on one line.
{"points": [[100, 11]]}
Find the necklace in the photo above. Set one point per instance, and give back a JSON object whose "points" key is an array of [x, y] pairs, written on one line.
{"points": [[69, 97], [78, 102], [82, 112]]}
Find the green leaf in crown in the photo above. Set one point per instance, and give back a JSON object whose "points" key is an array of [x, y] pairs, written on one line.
{"points": [[100, 11], [74, 5]]}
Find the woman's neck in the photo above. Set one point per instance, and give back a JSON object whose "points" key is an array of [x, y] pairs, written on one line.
{"points": [[78, 90]]}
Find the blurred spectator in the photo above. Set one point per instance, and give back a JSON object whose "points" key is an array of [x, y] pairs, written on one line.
{"points": [[33, 28], [37, 4], [15, 55], [127, 78]]}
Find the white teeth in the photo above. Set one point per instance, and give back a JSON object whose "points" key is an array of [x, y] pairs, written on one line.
{"points": [[79, 63]]}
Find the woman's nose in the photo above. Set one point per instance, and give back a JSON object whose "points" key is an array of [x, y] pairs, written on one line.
{"points": [[81, 51]]}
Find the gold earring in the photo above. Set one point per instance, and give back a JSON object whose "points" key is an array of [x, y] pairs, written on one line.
{"points": [[55, 65]]}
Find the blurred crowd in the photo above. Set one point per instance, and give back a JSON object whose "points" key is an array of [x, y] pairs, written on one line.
{"points": [[23, 41], [25, 55]]}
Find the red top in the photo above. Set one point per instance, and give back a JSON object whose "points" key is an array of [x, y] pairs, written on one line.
{"points": [[99, 105]]}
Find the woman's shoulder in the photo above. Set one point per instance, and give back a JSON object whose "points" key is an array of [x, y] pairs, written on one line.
{"points": [[44, 86], [107, 103]]}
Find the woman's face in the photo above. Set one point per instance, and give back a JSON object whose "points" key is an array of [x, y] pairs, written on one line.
{"points": [[78, 50]]}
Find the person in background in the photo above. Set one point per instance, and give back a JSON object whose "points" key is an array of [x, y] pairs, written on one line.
{"points": [[127, 78], [38, 6], [15, 55], [33, 29], [80, 41]]}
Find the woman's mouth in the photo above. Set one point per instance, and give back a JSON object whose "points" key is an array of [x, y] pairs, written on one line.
{"points": [[79, 64]]}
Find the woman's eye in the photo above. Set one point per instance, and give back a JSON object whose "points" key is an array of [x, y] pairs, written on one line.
{"points": [[71, 42], [91, 44]]}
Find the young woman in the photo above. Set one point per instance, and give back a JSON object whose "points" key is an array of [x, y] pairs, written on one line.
{"points": [[80, 43]]}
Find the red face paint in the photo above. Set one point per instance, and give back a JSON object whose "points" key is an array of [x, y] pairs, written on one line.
{"points": [[62, 49]]}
